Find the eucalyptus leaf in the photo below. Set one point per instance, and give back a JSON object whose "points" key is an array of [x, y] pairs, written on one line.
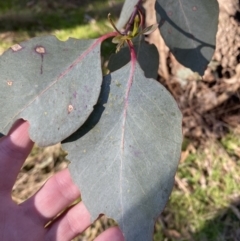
{"points": [[147, 56], [52, 84], [189, 29], [148, 30], [125, 156]]}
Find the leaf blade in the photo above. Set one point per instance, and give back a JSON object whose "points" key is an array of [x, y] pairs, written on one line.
{"points": [[189, 29], [143, 50], [49, 87], [128, 177]]}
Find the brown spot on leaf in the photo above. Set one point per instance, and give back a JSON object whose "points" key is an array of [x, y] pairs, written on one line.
{"points": [[194, 8], [40, 50], [70, 108], [9, 83], [16, 47], [169, 13]]}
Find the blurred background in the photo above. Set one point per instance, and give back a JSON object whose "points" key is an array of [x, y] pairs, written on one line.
{"points": [[205, 202]]}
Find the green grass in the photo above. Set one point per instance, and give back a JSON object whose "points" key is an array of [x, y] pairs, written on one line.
{"points": [[231, 143], [19, 22], [84, 31], [199, 207]]}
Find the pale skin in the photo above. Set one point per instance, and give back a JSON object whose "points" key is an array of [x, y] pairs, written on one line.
{"points": [[27, 221]]}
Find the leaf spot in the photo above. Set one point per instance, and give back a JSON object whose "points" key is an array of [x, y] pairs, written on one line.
{"points": [[9, 83], [169, 13], [70, 108], [40, 50], [16, 47], [194, 8]]}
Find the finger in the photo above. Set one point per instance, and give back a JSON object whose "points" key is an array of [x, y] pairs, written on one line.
{"points": [[14, 149], [57, 193], [71, 224], [111, 234]]}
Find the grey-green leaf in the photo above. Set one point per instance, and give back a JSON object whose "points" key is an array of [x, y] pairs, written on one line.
{"points": [[125, 156], [52, 84], [189, 29], [147, 56]]}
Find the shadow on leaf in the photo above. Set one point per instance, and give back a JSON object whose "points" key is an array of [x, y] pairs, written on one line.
{"points": [[95, 116], [191, 45]]}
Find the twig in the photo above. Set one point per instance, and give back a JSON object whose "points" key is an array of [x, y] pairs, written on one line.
{"points": [[131, 20]]}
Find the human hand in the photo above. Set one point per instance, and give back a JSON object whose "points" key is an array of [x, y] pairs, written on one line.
{"points": [[26, 222]]}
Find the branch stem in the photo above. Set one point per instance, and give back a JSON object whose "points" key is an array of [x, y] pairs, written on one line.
{"points": [[131, 20]]}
